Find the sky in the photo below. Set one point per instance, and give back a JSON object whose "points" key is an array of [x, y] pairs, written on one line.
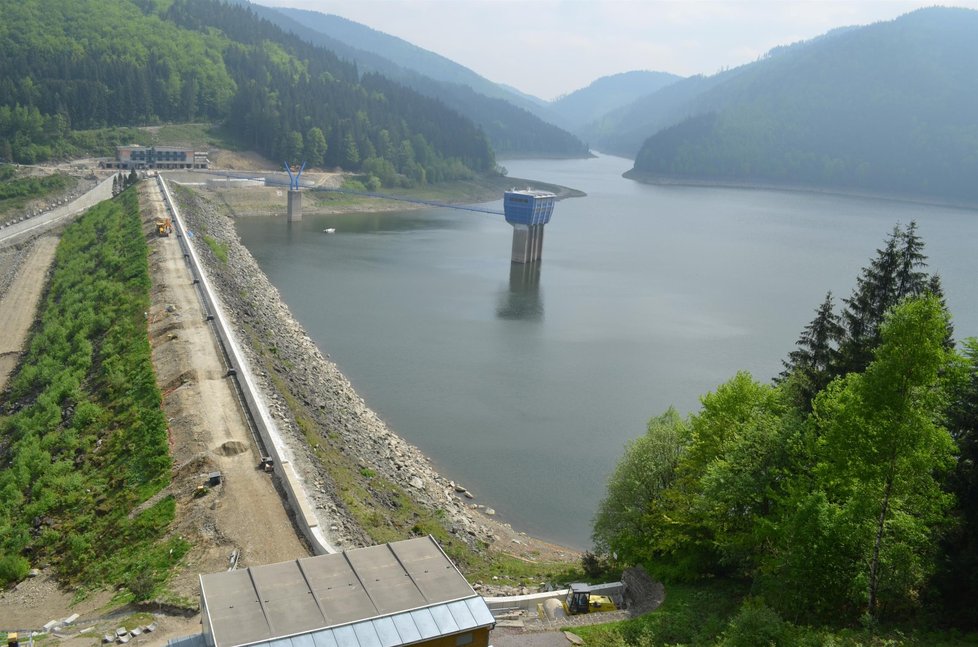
{"points": [[549, 48]]}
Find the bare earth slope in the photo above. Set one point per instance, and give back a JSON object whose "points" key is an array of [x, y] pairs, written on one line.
{"points": [[207, 430], [18, 305]]}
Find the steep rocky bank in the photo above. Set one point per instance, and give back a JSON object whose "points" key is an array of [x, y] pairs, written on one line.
{"points": [[11, 260], [316, 406]]}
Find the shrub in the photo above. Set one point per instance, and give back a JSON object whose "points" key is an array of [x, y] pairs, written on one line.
{"points": [[755, 625], [13, 568]]}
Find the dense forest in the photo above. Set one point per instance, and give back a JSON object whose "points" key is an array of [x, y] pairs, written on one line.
{"points": [[71, 65], [844, 493], [889, 108]]}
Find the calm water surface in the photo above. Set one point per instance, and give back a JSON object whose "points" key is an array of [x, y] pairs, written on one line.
{"points": [[525, 386]]}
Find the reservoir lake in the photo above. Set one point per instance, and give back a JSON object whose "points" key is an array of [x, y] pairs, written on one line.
{"points": [[525, 386]]}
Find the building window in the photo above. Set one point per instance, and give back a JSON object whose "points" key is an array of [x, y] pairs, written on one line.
{"points": [[464, 639]]}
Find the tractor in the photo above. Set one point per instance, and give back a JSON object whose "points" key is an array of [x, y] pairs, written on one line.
{"points": [[581, 598], [164, 226]]}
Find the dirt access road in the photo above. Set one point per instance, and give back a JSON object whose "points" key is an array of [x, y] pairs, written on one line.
{"points": [[243, 516], [18, 307], [208, 431]]}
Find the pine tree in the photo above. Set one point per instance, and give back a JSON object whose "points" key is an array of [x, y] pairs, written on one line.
{"points": [[910, 280], [809, 368], [892, 276]]}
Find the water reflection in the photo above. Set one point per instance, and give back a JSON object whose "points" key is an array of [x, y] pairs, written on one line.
{"points": [[522, 300], [389, 222]]}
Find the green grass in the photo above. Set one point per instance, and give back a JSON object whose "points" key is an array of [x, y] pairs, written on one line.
{"points": [[720, 613], [16, 192], [220, 249], [198, 135], [101, 142]]}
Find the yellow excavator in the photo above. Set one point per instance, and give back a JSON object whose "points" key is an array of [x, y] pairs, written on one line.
{"points": [[581, 598], [164, 226]]}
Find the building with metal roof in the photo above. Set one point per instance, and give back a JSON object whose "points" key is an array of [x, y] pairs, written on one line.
{"points": [[402, 593], [155, 157]]}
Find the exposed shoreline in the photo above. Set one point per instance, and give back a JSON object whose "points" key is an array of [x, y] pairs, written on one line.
{"points": [[309, 396], [717, 183]]}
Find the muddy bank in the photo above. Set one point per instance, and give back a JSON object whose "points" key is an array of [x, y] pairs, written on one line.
{"points": [[659, 179]]}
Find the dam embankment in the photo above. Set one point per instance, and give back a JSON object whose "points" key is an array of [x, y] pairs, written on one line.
{"points": [[341, 448]]}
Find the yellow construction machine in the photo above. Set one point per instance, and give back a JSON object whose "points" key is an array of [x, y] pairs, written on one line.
{"points": [[164, 226], [581, 598]]}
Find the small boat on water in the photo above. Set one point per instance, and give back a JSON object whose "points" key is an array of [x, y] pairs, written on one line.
{"points": [[329, 230]]}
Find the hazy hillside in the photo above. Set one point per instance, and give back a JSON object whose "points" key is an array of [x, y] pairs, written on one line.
{"points": [[624, 130], [514, 122], [511, 129], [407, 56], [606, 94], [82, 64], [891, 107]]}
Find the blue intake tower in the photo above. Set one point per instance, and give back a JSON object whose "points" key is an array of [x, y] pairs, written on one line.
{"points": [[528, 211]]}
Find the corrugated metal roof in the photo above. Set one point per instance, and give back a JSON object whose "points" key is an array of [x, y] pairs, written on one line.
{"points": [[196, 640], [393, 594]]}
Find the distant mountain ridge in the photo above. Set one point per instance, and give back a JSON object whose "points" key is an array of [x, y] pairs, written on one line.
{"points": [[623, 131], [889, 108], [514, 123], [608, 93]]}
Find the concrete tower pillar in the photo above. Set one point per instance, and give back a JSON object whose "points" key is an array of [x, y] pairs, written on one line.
{"points": [[295, 205], [521, 244]]}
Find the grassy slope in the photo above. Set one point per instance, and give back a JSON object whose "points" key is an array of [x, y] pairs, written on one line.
{"points": [[17, 192], [83, 441]]}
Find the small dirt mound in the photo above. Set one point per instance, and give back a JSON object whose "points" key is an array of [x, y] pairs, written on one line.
{"points": [[167, 329], [184, 378], [232, 448], [197, 464]]}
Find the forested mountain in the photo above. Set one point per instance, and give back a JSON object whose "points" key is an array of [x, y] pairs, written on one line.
{"points": [[607, 94], [513, 123], [78, 64], [889, 108]]}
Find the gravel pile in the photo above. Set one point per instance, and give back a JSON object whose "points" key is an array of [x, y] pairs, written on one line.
{"points": [[260, 317]]}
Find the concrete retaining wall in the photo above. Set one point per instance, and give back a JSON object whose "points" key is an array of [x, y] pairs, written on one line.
{"points": [[529, 602]]}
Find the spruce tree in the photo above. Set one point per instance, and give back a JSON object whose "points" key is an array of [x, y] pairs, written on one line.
{"points": [[895, 274], [910, 280], [809, 368]]}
